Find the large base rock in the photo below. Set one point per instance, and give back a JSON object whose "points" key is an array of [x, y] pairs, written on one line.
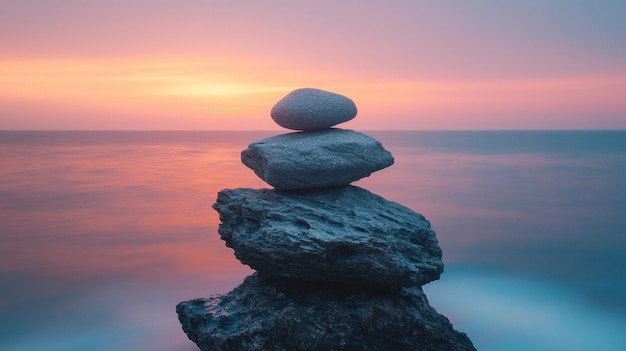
{"points": [[345, 234], [289, 315]]}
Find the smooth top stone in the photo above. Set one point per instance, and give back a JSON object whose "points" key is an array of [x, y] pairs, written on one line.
{"points": [[343, 235], [308, 108], [315, 158]]}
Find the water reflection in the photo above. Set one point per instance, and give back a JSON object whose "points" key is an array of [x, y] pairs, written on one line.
{"points": [[104, 232], [87, 214], [509, 312]]}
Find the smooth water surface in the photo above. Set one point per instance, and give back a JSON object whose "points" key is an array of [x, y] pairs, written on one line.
{"points": [[103, 233]]}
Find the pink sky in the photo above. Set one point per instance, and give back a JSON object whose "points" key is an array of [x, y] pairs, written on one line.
{"points": [[222, 64]]}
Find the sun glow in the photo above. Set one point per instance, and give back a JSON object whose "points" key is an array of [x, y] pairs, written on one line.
{"points": [[230, 94]]}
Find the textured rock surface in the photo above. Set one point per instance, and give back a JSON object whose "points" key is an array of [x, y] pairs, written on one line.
{"points": [[344, 234], [315, 159], [305, 109], [290, 316]]}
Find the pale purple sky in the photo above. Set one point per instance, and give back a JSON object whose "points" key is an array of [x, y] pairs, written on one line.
{"points": [[407, 64]]}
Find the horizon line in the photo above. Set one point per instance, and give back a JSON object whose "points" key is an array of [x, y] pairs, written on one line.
{"points": [[294, 131]]}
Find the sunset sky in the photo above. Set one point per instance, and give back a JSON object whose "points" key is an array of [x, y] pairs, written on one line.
{"points": [[207, 64]]}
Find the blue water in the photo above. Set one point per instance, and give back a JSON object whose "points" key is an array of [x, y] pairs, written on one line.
{"points": [[102, 233]]}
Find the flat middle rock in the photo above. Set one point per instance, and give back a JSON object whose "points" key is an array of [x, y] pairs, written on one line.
{"points": [[315, 159], [347, 235]]}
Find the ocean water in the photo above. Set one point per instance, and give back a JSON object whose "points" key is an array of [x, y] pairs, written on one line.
{"points": [[103, 233]]}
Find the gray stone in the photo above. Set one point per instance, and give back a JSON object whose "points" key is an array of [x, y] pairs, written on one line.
{"points": [[307, 108], [292, 316], [315, 159], [344, 234]]}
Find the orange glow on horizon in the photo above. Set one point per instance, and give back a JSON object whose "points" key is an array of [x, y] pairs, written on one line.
{"points": [[230, 94]]}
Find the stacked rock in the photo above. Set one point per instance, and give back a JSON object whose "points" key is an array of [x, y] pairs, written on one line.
{"points": [[337, 267]]}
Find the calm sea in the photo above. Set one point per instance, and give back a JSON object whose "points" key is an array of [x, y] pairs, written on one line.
{"points": [[103, 233]]}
